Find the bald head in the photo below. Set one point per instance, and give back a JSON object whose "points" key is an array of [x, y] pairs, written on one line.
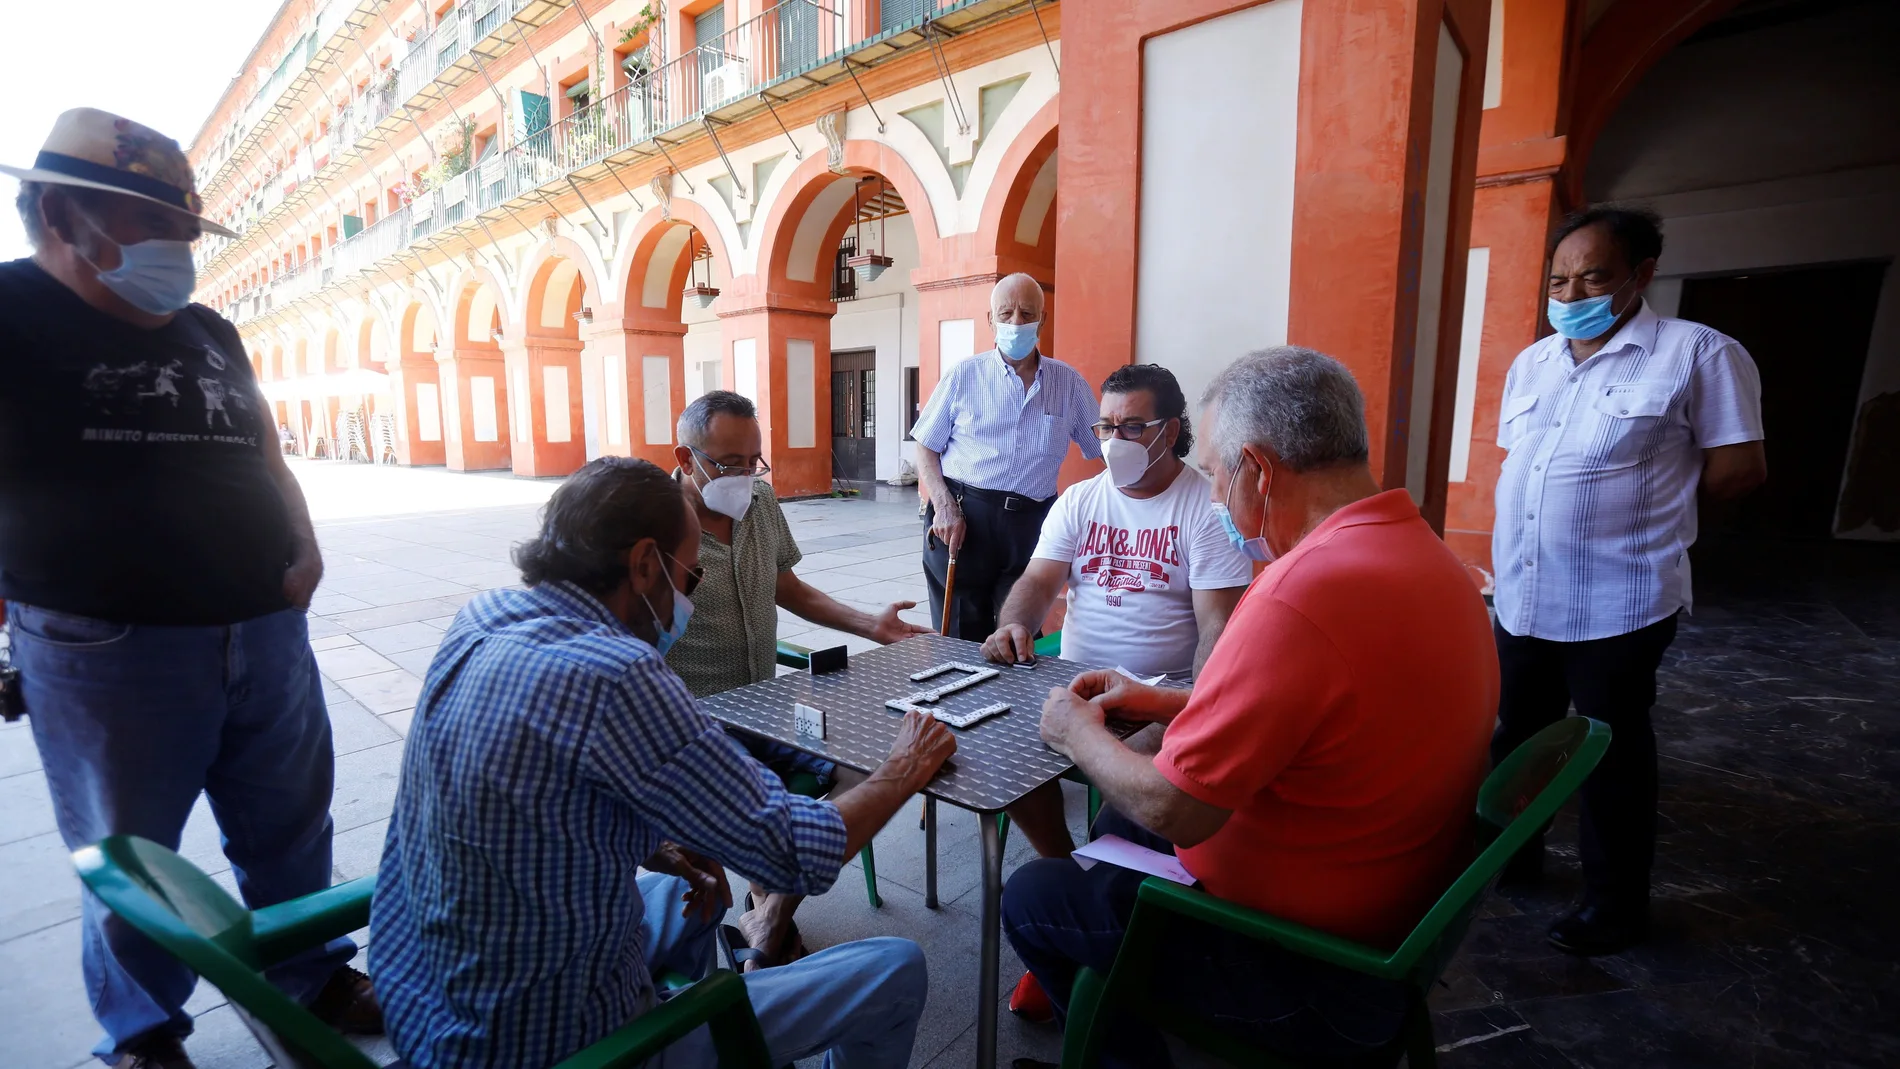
{"points": [[1016, 299]]}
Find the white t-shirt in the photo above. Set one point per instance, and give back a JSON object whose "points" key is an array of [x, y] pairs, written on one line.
{"points": [[1133, 567]]}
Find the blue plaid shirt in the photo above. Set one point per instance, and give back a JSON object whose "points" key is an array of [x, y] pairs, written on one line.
{"points": [[552, 752]]}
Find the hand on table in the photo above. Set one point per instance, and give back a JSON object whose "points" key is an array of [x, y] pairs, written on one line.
{"points": [[887, 627], [922, 746], [1011, 644], [707, 894], [1065, 717], [1116, 694]]}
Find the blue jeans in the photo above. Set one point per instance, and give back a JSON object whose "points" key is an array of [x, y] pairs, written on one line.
{"points": [[131, 723], [858, 1003], [1060, 917]]}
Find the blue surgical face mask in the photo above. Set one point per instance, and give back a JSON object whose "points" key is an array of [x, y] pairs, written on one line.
{"points": [[1017, 340], [1582, 320], [155, 276], [682, 613], [1255, 548]]}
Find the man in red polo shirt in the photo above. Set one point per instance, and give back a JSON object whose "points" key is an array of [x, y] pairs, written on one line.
{"points": [[1325, 765]]}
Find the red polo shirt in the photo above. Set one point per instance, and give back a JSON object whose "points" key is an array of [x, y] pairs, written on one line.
{"points": [[1344, 718]]}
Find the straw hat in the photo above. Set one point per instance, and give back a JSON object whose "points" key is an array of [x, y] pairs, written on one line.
{"points": [[99, 150]]}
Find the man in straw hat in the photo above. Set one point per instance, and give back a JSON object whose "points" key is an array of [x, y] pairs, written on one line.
{"points": [[156, 558]]}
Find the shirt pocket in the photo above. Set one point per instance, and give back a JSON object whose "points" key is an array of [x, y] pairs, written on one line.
{"points": [[1632, 413], [1044, 434], [1515, 419]]}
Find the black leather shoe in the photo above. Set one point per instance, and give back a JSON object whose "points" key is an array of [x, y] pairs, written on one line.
{"points": [[1596, 928]]}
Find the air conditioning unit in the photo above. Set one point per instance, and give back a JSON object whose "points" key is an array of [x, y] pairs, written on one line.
{"points": [[725, 83]]}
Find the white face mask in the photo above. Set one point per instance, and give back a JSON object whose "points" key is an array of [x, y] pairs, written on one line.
{"points": [[728, 495], [1128, 461]]}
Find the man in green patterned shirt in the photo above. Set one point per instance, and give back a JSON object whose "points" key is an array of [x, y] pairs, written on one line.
{"points": [[747, 552]]}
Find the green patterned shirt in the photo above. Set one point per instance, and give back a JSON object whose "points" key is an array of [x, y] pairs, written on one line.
{"points": [[733, 637]]}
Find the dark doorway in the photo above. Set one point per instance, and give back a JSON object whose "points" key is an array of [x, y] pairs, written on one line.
{"points": [[854, 418], [1808, 330]]}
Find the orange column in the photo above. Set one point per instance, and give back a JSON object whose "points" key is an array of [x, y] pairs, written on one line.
{"points": [[544, 397], [779, 354], [1361, 196], [419, 433], [474, 408], [627, 353], [1520, 158]]}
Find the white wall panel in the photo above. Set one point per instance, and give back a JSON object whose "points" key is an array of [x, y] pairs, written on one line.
{"points": [[1220, 109], [801, 399], [656, 391]]}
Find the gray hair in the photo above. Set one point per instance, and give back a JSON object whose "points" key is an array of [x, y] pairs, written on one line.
{"points": [[28, 202], [1300, 403], [696, 422]]}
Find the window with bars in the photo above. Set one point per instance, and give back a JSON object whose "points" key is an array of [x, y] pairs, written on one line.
{"points": [[844, 281]]}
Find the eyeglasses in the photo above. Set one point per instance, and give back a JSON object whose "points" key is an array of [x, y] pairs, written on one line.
{"points": [[1129, 431], [723, 470]]}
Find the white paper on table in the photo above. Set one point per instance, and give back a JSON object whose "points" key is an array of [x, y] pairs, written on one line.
{"points": [[1149, 682], [1120, 852]]}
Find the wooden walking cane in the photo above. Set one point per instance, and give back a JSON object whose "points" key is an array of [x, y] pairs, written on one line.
{"points": [[949, 591]]}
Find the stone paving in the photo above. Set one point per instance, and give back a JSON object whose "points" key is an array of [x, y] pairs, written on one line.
{"points": [[1776, 726]]}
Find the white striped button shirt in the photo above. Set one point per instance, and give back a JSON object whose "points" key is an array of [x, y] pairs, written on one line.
{"points": [[1596, 505], [996, 435]]}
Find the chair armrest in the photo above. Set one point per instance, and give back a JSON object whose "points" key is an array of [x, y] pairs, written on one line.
{"points": [[793, 656], [1253, 924], [629, 1046], [289, 928]]}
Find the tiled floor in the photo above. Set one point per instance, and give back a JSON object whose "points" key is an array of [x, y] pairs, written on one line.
{"points": [[1775, 943]]}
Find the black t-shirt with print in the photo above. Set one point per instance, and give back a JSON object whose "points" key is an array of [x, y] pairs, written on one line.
{"points": [[133, 479]]}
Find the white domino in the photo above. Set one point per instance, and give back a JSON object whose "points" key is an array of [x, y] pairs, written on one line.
{"points": [[808, 720], [964, 720]]}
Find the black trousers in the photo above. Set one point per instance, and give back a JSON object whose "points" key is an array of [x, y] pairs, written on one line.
{"points": [[1612, 680], [997, 543]]}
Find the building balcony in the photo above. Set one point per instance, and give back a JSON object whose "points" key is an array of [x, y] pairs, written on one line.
{"points": [[792, 47]]}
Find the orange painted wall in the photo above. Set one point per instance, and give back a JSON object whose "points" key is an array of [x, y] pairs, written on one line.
{"points": [[1364, 122]]}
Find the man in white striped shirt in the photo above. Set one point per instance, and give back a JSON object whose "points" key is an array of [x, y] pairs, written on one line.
{"points": [[1611, 426], [990, 443]]}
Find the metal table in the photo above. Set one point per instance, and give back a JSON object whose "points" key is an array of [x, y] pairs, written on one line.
{"points": [[998, 760]]}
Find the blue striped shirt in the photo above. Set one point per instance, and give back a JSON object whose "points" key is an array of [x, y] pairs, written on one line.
{"points": [[994, 434], [552, 752]]}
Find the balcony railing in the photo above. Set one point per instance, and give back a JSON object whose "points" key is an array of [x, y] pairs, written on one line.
{"points": [[461, 30], [792, 37]]}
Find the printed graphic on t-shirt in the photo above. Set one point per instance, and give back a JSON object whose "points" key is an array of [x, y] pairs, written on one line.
{"points": [[1124, 561], [182, 399]]}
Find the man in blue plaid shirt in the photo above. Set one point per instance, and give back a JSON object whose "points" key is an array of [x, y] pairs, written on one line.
{"points": [[553, 753]]}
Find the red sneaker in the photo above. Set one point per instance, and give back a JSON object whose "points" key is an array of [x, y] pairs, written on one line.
{"points": [[1030, 1002]]}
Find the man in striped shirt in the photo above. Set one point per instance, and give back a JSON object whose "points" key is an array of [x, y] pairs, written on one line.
{"points": [[553, 755], [1611, 426], [989, 445]]}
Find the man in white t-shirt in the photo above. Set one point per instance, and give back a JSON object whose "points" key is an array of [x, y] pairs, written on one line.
{"points": [[1149, 572]]}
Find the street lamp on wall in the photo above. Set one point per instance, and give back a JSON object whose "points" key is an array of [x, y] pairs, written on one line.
{"points": [[585, 317], [702, 294], [868, 265]]}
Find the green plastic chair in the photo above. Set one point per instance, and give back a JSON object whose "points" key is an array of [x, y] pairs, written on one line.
{"points": [[1517, 798], [181, 909]]}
